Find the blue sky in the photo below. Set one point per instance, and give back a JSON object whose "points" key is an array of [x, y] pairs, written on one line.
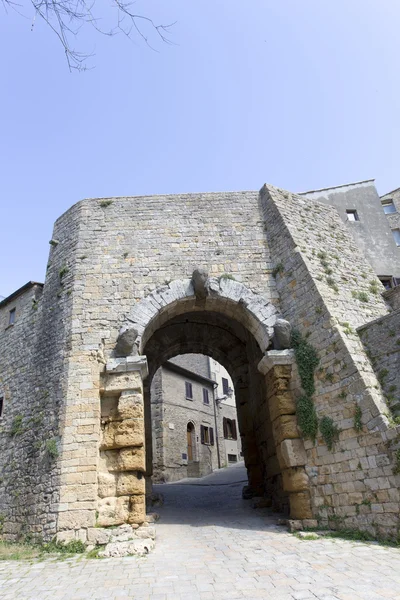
{"points": [[298, 94]]}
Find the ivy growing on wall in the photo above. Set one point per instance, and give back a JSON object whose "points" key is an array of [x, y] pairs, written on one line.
{"points": [[329, 431], [307, 361]]}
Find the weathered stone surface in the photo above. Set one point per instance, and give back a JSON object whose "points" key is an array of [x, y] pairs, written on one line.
{"points": [[107, 485], [282, 334], [131, 459], [126, 342], [137, 510], [130, 405], [282, 404], [130, 484], [113, 511], [116, 383], [295, 479], [98, 536], [292, 454], [120, 434], [131, 548], [285, 427], [300, 505]]}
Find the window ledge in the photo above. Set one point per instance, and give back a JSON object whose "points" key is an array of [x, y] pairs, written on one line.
{"points": [[9, 326]]}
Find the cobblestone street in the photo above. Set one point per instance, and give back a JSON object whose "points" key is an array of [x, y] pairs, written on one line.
{"points": [[211, 544]]}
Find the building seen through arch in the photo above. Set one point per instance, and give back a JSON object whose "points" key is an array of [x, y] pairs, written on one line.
{"points": [[194, 420]]}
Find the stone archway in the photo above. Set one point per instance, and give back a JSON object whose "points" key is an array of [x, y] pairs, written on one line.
{"points": [[225, 320]]}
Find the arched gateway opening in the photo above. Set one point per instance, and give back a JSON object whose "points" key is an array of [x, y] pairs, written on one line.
{"points": [[223, 319]]}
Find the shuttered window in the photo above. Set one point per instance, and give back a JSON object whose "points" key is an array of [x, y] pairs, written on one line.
{"points": [[207, 435]]}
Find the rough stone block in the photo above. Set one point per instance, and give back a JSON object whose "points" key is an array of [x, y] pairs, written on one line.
{"points": [[118, 382], [281, 404], [121, 434], [291, 453], [285, 427], [137, 510], [98, 536], [76, 519], [130, 405], [113, 511], [300, 505], [107, 485], [131, 459], [130, 484], [295, 479]]}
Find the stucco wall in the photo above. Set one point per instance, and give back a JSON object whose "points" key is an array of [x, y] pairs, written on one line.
{"points": [[372, 232]]}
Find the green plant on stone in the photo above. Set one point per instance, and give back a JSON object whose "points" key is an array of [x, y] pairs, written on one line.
{"points": [[332, 284], [329, 431], [279, 268], [346, 327], [342, 395], [307, 361], [105, 203], [2, 519], [357, 424], [16, 426], [72, 547], [63, 271], [51, 448], [383, 373], [227, 276], [396, 468], [307, 417]]}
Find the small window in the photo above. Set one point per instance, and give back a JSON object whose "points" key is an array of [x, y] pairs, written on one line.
{"points": [[207, 435], [188, 390], [388, 207], [232, 458], [352, 215], [1, 405], [225, 386], [230, 431], [387, 282], [206, 399], [11, 319], [396, 235]]}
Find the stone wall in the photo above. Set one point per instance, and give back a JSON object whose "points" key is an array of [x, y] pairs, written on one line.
{"points": [[320, 274], [381, 339], [34, 370]]}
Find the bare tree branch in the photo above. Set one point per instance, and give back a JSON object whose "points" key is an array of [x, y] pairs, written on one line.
{"points": [[67, 17]]}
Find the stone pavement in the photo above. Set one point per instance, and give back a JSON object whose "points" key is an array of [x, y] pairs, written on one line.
{"points": [[212, 545]]}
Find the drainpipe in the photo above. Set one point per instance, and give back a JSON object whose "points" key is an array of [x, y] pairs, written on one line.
{"points": [[215, 385]]}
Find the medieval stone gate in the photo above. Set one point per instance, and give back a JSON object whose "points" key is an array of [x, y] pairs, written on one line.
{"points": [[121, 297]]}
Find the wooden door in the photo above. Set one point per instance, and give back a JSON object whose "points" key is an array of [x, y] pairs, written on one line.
{"points": [[189, 443]]}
